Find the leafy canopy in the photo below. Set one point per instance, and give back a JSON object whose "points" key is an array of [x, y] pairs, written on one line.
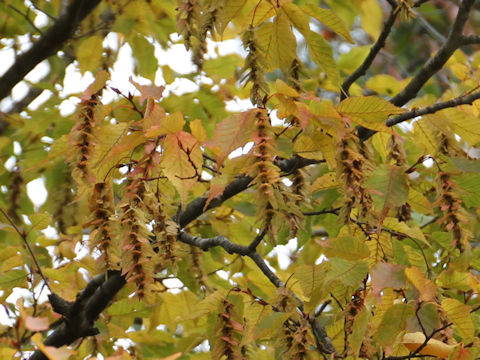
{"points": [[177, 226]]}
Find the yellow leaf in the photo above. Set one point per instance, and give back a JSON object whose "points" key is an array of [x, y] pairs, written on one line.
{"points": [[330, 19], [198, 130], [324, 182], [459, 315], [296, 16], [284, 89], [369, 111], [425, 287], [412, 341], [465, 124], [182, 161], [40, 220], [229, 11], [371, 15], [111, 147], [170, 124], [90, 53], [419, 202], [277, 41]]}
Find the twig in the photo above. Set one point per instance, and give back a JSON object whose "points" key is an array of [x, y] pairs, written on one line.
{"points": [[26, 18], [460, 100], [379, 44], [24, 238], [322, 212]]}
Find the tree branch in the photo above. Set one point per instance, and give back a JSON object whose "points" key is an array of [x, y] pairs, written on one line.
{"points": [[80, 315], [48, 44], [379, 44], [323, 341], [432, 66], [198, 206], [460, 100], [435, 63]]}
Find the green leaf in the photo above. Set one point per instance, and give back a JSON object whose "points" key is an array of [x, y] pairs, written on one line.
{"points": [[322, 54], [13, 278], [349, 273], [393, 322], [388, 186], [144, 53]]}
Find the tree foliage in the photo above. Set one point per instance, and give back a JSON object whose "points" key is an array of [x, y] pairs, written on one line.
{"points": [[306, 224]]}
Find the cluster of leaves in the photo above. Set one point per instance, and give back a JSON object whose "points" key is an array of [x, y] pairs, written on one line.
{"points": [[159, 238]]}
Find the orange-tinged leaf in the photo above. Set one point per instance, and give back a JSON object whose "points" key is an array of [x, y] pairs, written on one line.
{"points": [[148, 91], [330, 19], [459, 315], [387, 275], [182, 161], [231, 133], [369, 111], [412, 341], [425, 287], [100, 80], [36, 323]]}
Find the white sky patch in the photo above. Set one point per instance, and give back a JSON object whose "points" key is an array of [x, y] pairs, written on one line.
{"points": [[37, 192], [238, 104], [283, 253]]}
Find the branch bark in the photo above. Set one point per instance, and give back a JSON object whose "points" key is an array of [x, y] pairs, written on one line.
{"points": [[324, 343], [48, 44], [80, 315]]}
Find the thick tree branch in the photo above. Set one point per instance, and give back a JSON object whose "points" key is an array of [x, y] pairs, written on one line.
{"points": [[197, 207], [379, 44], [48, 44], [80, 315]]}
